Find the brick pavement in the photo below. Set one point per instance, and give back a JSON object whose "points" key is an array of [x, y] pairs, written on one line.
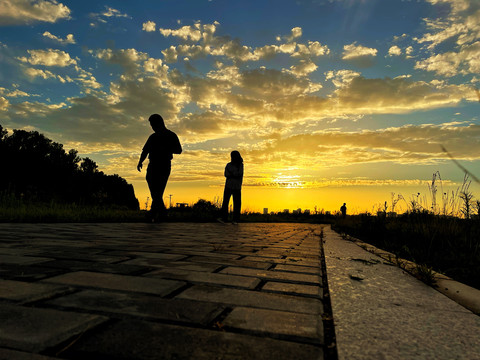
{"points": [[155, 291]]}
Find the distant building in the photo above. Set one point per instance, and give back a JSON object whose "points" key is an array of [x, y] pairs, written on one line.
{"points": [[182, 205], [265, 211], [286, 211]]}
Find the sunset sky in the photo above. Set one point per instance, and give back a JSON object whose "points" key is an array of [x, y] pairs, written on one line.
{"points": [[328, 101]]}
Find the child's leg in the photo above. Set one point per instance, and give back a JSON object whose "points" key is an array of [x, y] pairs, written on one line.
{"points": [[226, 199], [237, 204]]}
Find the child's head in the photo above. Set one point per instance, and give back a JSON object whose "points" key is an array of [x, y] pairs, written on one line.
{"points": [[156, 122], [236, 158]]}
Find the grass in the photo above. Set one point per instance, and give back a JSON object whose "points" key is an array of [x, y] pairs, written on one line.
{"points": [[446, 244], [17, 210]]}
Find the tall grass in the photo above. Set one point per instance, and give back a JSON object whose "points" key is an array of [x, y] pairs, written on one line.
{"points": [[443, 235], [14, 209]]}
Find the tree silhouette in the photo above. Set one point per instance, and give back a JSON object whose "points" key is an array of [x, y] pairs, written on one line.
{"points": [[37, 169]]}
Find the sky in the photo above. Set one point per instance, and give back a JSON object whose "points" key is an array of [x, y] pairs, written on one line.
{"points": [[328, 101]]}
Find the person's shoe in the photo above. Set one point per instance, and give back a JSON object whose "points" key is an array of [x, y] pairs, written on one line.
{"points": [[220, 220], [234, 223]]}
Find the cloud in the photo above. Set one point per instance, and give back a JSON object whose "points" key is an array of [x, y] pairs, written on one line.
{"points": [[111, 12], [13, 93], [128, 59], [107, 14], [394, 51], [462, 24], [313, 48], [353, 51], [49, 57], [397, 95], [3, 103], [68, 40], [465, 61], [405, 145], [148, 26], [24, 12], [193, 33], [341, 78], [304, 68], [295, 34]]}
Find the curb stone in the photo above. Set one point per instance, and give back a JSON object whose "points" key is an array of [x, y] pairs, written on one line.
{"points": [[464, 295]]}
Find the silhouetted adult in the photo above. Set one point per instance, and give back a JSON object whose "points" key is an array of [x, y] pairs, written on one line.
{"points": [[343, 209], [233, 187], [160, 147]]}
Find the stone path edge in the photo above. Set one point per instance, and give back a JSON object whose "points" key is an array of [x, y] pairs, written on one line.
{"points": [[464, 295]]}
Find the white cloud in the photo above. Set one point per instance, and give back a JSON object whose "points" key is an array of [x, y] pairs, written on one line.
{"points": [[304, 68], [295, 34], [193, 32], [3, 103], [24, 12], [465, 61], [394, 51], [44, 74], [341, 78], [107, 14], [353, 51], [313, 48], [49, 57], [149, 26], [111, 12], [68, 40]]}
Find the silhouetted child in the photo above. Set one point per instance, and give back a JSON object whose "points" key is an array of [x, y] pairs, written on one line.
{"points": [[343, 209], [160, 147], [233, 187]]}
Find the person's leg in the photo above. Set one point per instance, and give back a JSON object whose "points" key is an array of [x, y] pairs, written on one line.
{"points": [[157, 179], [226, 199], [237, 204]]}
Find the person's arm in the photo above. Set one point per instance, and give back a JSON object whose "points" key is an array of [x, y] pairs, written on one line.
{"points": [[177, 148], [143, 156]]}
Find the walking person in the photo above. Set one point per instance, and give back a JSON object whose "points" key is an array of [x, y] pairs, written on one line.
{"points": [[160, 147], [233, 187], [343, 210]]}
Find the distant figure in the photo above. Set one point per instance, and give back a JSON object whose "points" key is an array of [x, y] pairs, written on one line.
{"points": [[343, 209], [233, 187], [160, 147]]}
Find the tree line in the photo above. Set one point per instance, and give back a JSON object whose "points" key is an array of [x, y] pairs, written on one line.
{"points": [[37, 169]]}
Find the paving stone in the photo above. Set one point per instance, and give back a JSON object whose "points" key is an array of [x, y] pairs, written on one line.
{"points": [[27, 273], [73, 265], [82, 256], [179, 310], [17, 251], [287, 261], [33, 329], [298, 268], [276, 322], [118, 282], [151, 262], [148, 255], [8, 354], [24, 291], [22, 260], [293, 288], [192, 266], [242, 263], [252, 299], [145, 340], [275, 275], [203, 277]]}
